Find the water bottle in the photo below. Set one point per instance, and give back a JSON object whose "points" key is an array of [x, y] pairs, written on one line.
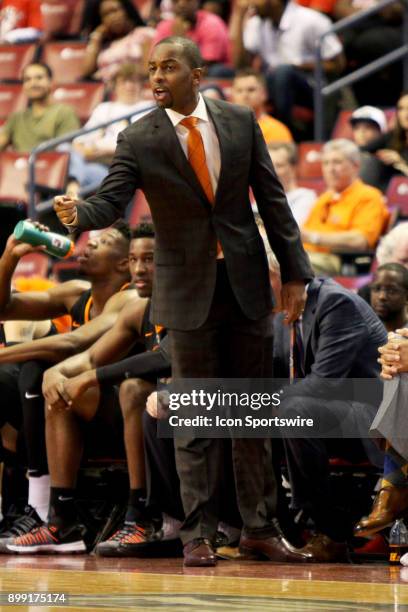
{"points": [[56, 245], [398, 541]]}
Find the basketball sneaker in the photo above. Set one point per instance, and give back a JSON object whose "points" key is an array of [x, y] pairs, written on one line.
{"points": [[21, 525], [131, 540], [51, 539]]}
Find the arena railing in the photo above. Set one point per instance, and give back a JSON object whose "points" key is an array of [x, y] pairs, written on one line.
{"points": [[321, 90], [51, 144]]}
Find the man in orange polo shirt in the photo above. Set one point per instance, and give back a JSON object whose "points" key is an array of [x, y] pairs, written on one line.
{"points": [[349, 216]]}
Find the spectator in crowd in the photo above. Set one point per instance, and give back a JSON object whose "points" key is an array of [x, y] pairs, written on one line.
{"points": [[300, 199], [20, 21], [348, 216], [393, 247], [283, 35], [119, 35], [95, 150], [206, 29], [391, 148], [249, 89], [389, 295], [42, 119], [368, 124], [338, 338], [369, 40]]}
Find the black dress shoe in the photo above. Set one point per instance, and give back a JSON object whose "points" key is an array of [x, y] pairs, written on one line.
{"points": [[199, 553], [275, 548]]}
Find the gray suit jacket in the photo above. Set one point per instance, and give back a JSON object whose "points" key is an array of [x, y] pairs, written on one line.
{"points": [[149, 157]]}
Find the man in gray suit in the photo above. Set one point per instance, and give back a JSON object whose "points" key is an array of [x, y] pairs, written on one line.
{"points": [[339, 339], [211, 289]]}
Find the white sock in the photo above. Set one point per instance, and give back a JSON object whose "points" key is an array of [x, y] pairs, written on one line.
{"points": [[170, 527], [39, 494]]}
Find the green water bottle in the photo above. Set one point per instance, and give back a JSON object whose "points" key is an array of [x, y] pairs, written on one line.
{"points": [[56, 245]]}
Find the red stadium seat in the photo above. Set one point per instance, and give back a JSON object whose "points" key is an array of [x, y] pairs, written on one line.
{"points": [[33, 264], [13, 58], [354, 283], [309, 165], [51, 171], [65, 60], [82, 96], [62, 16], [397, 194], [11, 99]]}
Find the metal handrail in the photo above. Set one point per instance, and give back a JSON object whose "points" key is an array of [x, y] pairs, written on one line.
{"points": [[321, 90], [68, 137]]}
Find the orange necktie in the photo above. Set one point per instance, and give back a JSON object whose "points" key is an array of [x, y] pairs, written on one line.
{"points": [[196, 156]]}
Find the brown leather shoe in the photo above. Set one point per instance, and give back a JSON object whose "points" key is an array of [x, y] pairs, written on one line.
{"points": [[199, 553], [390, 504], [275, 548], [325, 550]]}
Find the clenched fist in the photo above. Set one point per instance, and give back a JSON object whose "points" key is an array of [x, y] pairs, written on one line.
{"points": [[66, 209]]}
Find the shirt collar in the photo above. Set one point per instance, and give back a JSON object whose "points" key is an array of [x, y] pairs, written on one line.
{"points": [[288, 17], [200, 112]]}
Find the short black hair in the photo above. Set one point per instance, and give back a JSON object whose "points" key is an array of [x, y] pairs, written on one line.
{"points": [[142, 230], [395, 267], [190, 50], [123, 228], [43, 65]]}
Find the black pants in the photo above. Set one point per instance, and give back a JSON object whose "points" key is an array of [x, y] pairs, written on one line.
{"points": [[308, 459], [227, 345]]}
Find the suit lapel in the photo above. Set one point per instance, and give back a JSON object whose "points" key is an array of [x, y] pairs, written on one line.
{"points": [[170, 144], [224, 132]]}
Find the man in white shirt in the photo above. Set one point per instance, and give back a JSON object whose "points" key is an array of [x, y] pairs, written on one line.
{"points": [[284, 35]]}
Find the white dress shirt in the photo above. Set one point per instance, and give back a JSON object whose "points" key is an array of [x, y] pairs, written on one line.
{"points": [[294, 40], [208, 134]]}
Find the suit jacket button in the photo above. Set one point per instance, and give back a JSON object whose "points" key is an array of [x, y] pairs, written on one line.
{"points": [[212, 252]]}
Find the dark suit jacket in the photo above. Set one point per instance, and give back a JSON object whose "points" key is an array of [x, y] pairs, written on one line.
{"points": [[341, 337], [149, 157]]}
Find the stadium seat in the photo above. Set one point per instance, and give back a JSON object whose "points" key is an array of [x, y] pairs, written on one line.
{"points": [[397, 194], [13, 58], [82, 96], [51, 171], [11, 99], [65, 60], [33, 264], [62, 17], [354, 283], [309, 165]]}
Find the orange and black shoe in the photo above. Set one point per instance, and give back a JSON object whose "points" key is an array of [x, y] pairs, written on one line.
{"points": [[50, 539], [131, 540]]}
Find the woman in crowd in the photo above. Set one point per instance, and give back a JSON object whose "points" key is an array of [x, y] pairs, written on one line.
{"points": [[118, 35]]}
